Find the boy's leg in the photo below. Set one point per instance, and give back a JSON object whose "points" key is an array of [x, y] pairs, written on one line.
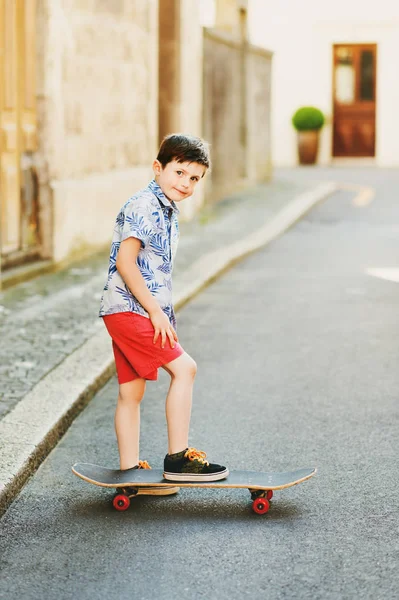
{"points": [[127, 421], [127, 427], [182, 371], [183, 463]]}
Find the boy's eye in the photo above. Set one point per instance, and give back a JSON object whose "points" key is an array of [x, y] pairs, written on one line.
{"points": [[194, 178], [179, 172]]}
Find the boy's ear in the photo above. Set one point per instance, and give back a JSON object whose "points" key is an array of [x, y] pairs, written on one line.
{"points": [[156, 167]]}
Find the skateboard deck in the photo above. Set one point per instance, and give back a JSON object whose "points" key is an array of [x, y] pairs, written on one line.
{"points": [[261, 485]]}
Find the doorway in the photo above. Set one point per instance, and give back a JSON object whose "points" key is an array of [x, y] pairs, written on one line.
{"points": [[19, 202], [354, 100]]}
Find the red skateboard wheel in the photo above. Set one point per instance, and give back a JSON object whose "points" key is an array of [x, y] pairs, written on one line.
{"points": [[269, 494], [121, 502], [260, 506]]}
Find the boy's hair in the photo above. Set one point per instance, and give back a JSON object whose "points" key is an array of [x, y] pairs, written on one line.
{"points": [[184, 148]]}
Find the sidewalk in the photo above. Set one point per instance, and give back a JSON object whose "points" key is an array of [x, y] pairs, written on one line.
{"points": [[55, 353]]}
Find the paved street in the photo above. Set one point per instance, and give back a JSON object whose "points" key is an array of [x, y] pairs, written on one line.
{"points": [[297, 353]]}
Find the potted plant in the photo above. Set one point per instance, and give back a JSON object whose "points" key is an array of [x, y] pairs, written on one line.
{"points": [[308, 121]]}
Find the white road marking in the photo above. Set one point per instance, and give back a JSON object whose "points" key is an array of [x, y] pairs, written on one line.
{"points": [[365, 195], [388, 274]]}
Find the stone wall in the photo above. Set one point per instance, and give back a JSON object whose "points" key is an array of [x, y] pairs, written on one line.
{"points": [[98, 113], [236, 112], [221, 110], [99, 108], [258, 109]]}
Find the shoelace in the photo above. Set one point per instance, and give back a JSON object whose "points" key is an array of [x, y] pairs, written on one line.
{"points": [[143, 464], [194, 454]]}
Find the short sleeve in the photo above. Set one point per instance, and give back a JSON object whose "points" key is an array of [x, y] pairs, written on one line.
{"points": [[137, 222]]}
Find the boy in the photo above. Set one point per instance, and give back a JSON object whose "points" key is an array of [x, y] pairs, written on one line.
{"points": [[137, 310]]}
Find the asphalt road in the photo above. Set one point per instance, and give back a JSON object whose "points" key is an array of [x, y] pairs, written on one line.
{"points": [[298, 366]]}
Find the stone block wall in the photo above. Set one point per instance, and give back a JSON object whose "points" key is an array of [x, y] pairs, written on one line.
{"points": [[99, 106], [98, 113], [258, 75], [221, 111], [236, 112]]}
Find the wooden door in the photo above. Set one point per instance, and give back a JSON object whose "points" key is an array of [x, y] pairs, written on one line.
{"points": [[354, 99], [18, 131]]}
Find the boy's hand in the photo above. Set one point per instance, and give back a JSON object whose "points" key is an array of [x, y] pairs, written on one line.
{"points": [[163, 327]]}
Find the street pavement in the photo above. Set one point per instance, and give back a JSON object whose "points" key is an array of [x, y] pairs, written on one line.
{"points": [[297, 354]]}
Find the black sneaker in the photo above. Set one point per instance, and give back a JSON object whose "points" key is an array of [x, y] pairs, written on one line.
{"points": [[190, 465]]}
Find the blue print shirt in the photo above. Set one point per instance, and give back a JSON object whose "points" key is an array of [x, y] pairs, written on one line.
{"points": [[150, 217]]}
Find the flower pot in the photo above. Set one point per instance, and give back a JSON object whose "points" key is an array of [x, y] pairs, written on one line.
{"points": [[308, 146]]}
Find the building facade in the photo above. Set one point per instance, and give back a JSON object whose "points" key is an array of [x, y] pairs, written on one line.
{"points": [[342, 58], [90, 87]]}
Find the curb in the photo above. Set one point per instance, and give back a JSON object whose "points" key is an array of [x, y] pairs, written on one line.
{"points": [[42, 417]]}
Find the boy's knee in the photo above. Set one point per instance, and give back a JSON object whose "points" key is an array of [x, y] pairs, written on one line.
{"points": [[192, 368], [182, 367], [133, 391], [188, 368]]}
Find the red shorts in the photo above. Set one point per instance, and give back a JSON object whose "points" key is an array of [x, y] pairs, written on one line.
{"points": [[135, 353]]}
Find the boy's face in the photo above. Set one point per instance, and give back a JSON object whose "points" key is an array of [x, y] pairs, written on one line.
{"points": [[178, 180]]}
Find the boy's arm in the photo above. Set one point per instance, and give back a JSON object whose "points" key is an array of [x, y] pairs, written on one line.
{"points": [[130, 273]]}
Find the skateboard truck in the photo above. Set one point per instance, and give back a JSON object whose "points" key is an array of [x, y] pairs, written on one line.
{"points": [[261, 494]]}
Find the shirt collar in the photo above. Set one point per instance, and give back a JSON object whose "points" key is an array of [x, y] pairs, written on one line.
{"points": [[155, 188]]}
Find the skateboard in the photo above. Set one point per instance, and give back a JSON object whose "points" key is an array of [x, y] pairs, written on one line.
{"points": [[129, 482]]}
